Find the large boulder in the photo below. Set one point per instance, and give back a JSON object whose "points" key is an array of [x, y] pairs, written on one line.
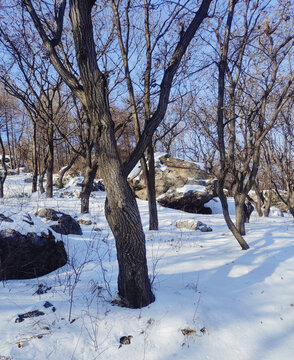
{"points": [[191, 201], [180, 184], [29, 256], [65, 223]]}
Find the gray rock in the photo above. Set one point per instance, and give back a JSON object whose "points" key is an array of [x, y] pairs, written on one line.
{"points": [[170, 173], [48, 214], [205, 228], [66, 224], [192, 201]]}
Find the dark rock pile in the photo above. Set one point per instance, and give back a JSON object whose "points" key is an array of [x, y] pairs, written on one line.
{"points": [[29, 256]]}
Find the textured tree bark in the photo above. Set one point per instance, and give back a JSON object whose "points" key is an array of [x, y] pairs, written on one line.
{"points": [[42, 174], [231, 225], [35, 163], [260, 200], [123, 216], [50, 161], [153, 215], [11, 155], [229, 222], [240, 214], [268, 202], [89, 176], [3, 173]]}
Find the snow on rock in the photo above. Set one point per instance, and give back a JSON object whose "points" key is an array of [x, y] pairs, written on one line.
{"points": [[192, 224], [190, 187]]}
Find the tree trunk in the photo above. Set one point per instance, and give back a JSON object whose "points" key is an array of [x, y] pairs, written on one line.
{"points": [[240, 219], [153, 216], [89, 176], [3, 171], [268, 202], [229, 222], [41, 182], [240, 213], [121, 208], [50, 161], [12, 160], [259, 202], [35, 162], [123, 216], [42, 174]]}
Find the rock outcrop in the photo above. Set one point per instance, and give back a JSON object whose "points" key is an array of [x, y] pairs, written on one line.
{"points": [[192, 201], [180, 184], [29, 256]]}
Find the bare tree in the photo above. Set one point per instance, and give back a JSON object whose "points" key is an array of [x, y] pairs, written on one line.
{"points": [[28, 77], [251, 64], [92, 90], [9, 112]]}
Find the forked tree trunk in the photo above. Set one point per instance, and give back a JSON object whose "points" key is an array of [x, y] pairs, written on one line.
{"points": [[87, 187], [59, 181], [121, 208], [227, 217]]}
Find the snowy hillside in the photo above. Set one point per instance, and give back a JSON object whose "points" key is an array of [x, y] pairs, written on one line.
{"points": [[213, 301]]}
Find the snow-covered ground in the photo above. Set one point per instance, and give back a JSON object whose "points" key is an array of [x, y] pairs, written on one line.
{"points": [[213, 300]]}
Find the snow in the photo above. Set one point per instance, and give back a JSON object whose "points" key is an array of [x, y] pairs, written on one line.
{"points": [[216, 207], [242, 301], [190, 187]]}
